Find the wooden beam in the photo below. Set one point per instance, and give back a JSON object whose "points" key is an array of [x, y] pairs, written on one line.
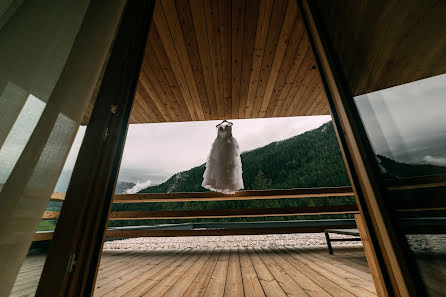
{"points": [[50, 215], [42, 236], [80, 231], [219, 232], [370, 255], [213, 232], [242, 195], [215, 196], [56, 196], [233, 213], [416, 182], [392, 251]]}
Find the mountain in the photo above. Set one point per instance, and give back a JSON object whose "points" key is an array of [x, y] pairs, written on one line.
{"points": [[311, 159], [392, 168]]}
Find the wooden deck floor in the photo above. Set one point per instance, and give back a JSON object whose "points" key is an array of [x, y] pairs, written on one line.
{"points": [[285, 271]]}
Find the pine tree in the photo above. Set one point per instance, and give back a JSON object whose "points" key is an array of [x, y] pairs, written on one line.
{"points": [[261, 182]]}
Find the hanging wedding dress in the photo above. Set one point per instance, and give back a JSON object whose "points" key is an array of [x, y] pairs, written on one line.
{"points": [[224, 168]]}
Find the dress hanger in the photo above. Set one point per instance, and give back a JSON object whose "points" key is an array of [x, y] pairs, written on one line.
{"points": [[225, 121]]}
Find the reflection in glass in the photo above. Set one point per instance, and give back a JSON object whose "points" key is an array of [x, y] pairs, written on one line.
{"points": [[406, 126], [19, 135]]}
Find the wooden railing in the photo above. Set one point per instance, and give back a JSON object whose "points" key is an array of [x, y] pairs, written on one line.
{"points": [[215, 196], [217, 213]]}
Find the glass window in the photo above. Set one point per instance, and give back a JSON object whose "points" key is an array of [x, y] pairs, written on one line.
{"points": [[406, 126]]}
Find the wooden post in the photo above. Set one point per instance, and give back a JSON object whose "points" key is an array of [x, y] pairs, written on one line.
{"points": [[370, 255], [71, 266], [398, 270]]}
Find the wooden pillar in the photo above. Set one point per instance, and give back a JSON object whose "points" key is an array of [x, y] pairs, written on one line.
{"points": [[71, 266], [370, 255], [397, 269]]}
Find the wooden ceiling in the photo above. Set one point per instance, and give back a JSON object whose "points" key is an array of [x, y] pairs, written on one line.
{"points": [[209, 60], [385, 43]]}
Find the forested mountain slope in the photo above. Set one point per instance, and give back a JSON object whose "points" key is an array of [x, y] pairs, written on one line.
{"points": [[312, 159]]}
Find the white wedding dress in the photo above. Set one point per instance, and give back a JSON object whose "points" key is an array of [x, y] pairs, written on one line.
{"points": [[224, 167]]}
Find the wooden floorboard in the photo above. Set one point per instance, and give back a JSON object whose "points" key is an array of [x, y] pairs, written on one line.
{"points": [[235, 272]]}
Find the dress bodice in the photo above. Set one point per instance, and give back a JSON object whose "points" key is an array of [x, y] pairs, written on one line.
{"points": [[224, 131]]}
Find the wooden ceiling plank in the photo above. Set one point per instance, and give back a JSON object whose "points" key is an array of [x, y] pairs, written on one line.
{"points": [[249, 36], [148, 105], [156, 44], [211, 13], [190, 35], [176, 32], [134, 114], [303, 95], [224, 20], [312, 101], [162, 102], [299, 89], [378, 56], [157, 74], [298, 80], [355, 11], [289, 22], [433, 27], [301, 53], [171, 51], [383, 44], [287, 63], [139, 111], [309, 96], [323, 108], [199, 19], [275, 26], [263, 20], [150, 89], [320, 104], [238, 18]]}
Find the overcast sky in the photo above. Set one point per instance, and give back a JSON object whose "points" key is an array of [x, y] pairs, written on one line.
{"points": [[157, 151], [408, 122]]}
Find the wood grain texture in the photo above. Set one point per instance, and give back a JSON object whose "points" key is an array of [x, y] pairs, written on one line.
{"points": [[213, 60], [233, 213], [381, 44], [215, 196], [256, 272]]}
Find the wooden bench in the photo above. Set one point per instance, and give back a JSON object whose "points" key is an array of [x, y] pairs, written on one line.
{"points": [[351, 232]]}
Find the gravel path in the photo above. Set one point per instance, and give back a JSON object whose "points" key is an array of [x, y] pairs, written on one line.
{"points": [[422, 243], [156, 243]]}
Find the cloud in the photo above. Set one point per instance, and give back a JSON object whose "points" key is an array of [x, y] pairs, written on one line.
{"points": [[175, 147], [154, 152], [434, 160], [138, 187]]}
